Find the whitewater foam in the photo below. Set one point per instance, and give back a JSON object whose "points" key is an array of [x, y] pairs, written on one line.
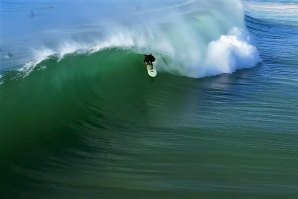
{"points": [[200, 39], [229, 53]]}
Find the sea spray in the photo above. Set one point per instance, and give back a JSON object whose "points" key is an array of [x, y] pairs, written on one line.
{"points": [[196, 38]]}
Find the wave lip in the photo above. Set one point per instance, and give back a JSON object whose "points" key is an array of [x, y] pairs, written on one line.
{"points": [[198, 40], [39, 56]]}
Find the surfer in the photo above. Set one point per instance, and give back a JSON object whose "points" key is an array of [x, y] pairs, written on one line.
{"points": [[149, 59]]}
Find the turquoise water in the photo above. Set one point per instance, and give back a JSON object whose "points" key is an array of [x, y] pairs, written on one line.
{"points": [[80, 118]]}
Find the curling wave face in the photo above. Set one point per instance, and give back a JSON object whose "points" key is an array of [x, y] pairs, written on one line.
{"points": [[196, 40]]}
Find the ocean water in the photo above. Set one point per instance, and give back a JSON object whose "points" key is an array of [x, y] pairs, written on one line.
{"points": [[80, 117]]}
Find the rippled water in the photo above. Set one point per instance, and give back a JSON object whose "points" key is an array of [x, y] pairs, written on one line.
{"points": [[72, 129]]}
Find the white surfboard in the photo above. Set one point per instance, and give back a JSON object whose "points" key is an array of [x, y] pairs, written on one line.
{"points": [[151, 70]]}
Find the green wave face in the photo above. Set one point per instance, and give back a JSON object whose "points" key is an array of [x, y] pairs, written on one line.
{"points": [[57, 95], [61, 103]]}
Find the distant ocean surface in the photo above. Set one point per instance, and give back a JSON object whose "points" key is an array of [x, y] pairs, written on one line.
{"points": [[80, 117]]}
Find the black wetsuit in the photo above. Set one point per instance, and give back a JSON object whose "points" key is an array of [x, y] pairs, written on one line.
{"points": [[149, 59]]}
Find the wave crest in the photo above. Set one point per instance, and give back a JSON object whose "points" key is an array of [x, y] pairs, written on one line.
{"points": [[198, 39]]}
